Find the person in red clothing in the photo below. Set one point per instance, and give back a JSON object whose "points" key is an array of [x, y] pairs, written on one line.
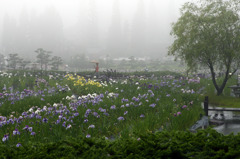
{"points": [[96, 68]]}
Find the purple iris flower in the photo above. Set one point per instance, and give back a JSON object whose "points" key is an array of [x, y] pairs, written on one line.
{"points": [[120, 118], [133, 98], [30, 129], [85, 120], [18, 145], [91, 126], [124, 100], [150, 86], [184, 106], [58, 121], [152, 105], [5, 138], [95, 114], [113, 107], [103, 110], [11, 121], [69, 126], [38, 117], [76, 114], [150, 91], [106, 114], [45, 120], [26, 127], [60, 116], [16, 132]]}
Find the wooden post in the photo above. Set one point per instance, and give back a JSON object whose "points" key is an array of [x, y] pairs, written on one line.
{"points": [[206, 105]]}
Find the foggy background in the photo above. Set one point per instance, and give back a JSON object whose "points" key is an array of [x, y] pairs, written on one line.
{"points": [[90, 29]]}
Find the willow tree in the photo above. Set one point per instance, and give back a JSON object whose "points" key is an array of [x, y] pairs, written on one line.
{"points": [[207, 35]]}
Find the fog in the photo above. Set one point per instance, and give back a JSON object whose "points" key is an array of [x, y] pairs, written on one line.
{"points": [[92, 28]]}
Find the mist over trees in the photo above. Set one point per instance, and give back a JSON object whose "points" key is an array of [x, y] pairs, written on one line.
{"points": [[30, 31], [92, 34]]}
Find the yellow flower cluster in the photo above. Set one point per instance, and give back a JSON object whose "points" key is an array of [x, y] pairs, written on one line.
{"points": [[81, 81], [70, 77], [93, 83]]}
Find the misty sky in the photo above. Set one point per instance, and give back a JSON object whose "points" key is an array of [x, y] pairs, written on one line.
{"points": [[71, 10]]}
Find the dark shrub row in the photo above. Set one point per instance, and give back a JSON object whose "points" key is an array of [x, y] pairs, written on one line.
{"points": [[179, 144]]}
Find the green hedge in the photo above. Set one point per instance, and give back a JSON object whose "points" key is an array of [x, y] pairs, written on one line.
{"points": [[179, 144]]}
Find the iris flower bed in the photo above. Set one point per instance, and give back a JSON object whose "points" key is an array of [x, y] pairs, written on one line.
{"points": [[72, 106]]}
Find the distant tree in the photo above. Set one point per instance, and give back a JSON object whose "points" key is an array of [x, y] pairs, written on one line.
{"points": [[24, 40], [79, 61], [131, 58], [208, 35], [109, 61], [40, 57], [23, 63], [2, 62], [53, 34], [138, 30], [82, 61], [155, 29], [13, 60], [115, 37], [9, 34], [47, 59], [88, 26], [43, 58], [132, 61], [56, 62]]}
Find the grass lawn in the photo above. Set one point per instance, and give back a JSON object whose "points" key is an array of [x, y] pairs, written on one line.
{"points": [[224, 101]]}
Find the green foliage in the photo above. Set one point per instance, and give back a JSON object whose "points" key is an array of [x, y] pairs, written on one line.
{"points": [[175, 144], [224, 100], [207, 35]]}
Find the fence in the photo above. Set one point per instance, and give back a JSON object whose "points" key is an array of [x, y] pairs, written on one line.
{"points": [[206, 107]]}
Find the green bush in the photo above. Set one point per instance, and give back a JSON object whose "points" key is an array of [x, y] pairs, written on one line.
{"points": [[175, 144]]}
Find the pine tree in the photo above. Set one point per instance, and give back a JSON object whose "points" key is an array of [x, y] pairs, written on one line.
{"points": [[138, 40], [115, 39]]}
